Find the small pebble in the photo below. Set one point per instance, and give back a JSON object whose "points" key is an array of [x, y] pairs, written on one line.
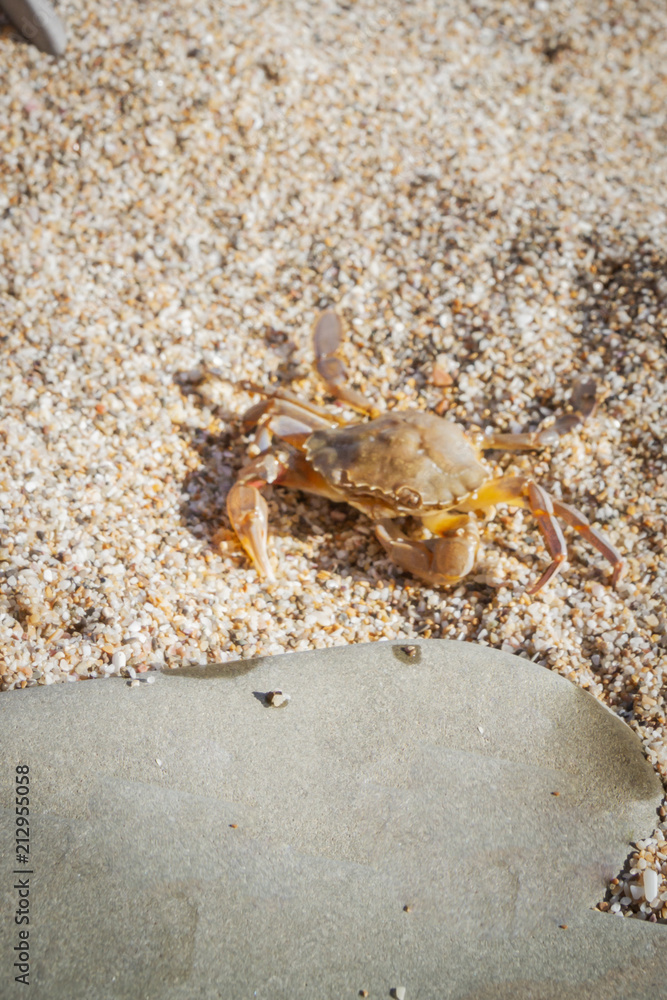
{"points": [[440, 374], [651, 883], [398, 992], [277, 699], [118, 660]]}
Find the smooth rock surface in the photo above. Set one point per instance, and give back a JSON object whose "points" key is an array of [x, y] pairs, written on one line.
{"points": [[38, 22], [188, 840]]}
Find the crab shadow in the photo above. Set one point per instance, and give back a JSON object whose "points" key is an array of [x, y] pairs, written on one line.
{"points": [[622, 293]]}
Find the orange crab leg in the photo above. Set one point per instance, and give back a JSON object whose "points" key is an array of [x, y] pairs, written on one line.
{"points": [[576, 520], [517, 491], [247, 507], [521, 491], [541, 508]]}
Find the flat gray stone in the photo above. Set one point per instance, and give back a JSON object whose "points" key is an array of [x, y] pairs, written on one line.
{"points": [[189, 841], [38, 22]]}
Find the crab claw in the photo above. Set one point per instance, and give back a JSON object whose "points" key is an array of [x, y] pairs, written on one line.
{"points": [[249, 515], [440, 561]]}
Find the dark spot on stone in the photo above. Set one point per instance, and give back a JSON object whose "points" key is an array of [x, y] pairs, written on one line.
{"points": [[211, 671], [407, 654]]}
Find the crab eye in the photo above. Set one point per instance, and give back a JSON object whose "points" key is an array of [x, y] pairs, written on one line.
{"points": [[408, 497]]}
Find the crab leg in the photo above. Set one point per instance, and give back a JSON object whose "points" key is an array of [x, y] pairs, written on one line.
{"points": [[582, 403], [521, 491], [576, 520], [541, 507], [283, 402], [327, 339], [285, 418], [519, 442], [439, 561], [248, 512]]}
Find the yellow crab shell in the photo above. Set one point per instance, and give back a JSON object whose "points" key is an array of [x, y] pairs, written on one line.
{"points": [[410, 461]]}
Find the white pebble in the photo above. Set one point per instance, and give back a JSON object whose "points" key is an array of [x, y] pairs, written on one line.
{"points": [[119, 659], [399, 992], [650, 884], [277, 699]]}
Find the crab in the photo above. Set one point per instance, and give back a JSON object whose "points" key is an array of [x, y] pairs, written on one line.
{"points": [[398, 464]]}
